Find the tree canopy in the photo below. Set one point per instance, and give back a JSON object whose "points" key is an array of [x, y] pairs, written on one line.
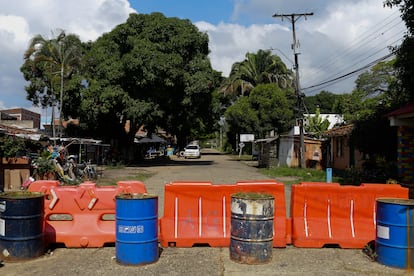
{"points": [[257, 68], [405, 52], [49, 64], [151, 71], [374, 90], [324, 101], [266, 108]]}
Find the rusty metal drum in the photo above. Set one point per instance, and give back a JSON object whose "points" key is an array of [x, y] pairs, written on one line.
{"points": [[251, 228]]}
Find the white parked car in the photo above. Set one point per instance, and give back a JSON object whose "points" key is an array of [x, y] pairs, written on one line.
{"points": [[192, 151]]}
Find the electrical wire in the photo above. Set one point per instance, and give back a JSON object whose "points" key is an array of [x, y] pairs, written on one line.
{"points": [[368, 40], [356, 44], [372, 63]]}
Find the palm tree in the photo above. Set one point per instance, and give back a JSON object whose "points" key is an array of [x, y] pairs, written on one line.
{"points": [[60, 55], [262, 67]]}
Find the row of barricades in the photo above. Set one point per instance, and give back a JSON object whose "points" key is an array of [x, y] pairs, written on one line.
{"points": [[321, 213], [84, 215], [199, 213]]}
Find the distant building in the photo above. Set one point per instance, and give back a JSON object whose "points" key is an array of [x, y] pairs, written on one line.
{"points": [[334, 119], [26, 118], [48, 128]]}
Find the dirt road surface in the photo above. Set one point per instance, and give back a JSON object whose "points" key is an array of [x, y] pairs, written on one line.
{"points": [[218, 169]]}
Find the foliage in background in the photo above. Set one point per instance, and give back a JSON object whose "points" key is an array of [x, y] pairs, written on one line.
{"points": [[405, 52], [317, 125], [266, 108], [49, 63], [257, 68], [375, 90], [297, 175], [374, 170], [44, 164], [324, 101], [151, 71], [12, 146]]}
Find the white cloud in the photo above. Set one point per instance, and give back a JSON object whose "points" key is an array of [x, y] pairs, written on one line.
{"points": [[342, 36], [363, 26], [229, 43], [20, 20]]}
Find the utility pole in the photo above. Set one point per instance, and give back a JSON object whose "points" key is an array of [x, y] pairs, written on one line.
{"points": [[293, 17]]}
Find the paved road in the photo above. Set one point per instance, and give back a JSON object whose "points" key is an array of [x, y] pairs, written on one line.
{"points": [[219, 169]]}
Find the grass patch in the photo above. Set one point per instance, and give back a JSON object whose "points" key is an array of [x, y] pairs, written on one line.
{"points": [[244, 157], [114, 167], [298, 174], [111, 181]]}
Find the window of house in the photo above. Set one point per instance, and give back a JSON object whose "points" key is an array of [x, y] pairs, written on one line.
{"points": [[339, 147]]}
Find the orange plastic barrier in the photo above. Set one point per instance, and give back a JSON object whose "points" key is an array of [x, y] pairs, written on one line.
{"points": [[199, 213], [331, 214], [84, 215]]}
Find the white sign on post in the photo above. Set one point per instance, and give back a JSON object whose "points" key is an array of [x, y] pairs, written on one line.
{"points": [[246, 137]]}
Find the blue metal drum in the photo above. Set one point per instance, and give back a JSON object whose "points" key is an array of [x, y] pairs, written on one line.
{"points": [[394, 243], [136, 229], [21, 225], [251, 228]]}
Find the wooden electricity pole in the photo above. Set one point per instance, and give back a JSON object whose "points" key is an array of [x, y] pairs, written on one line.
{"points": [[293, 17]]}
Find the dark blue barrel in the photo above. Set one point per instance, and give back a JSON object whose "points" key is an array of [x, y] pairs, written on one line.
{"points": [[136, 229], [394, 242], [21, 225], [251, 228]]}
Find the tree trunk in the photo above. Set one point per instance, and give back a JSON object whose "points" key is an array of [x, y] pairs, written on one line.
{"points": [[61, 101]]}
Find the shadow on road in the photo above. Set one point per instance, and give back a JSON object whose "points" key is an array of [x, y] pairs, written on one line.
{"points": [[166, 161]]}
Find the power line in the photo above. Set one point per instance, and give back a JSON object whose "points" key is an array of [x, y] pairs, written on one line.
{"points": [[372, 63], [334, 76], [364, 36], [366, 41]]}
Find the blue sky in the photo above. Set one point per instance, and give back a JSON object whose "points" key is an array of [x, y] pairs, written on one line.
{"points": [[212, 11], [342, 36]]}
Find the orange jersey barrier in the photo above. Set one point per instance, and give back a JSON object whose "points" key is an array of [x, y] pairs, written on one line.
{"points": [[199, 213], [331, 214], [84, 215]]}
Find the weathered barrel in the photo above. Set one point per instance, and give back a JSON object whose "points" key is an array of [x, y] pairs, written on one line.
{"points": [[251, 228], [136, 221], [21, 225]]}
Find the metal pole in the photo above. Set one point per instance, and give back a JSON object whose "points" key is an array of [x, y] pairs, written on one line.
{"points": [[293, 18]]}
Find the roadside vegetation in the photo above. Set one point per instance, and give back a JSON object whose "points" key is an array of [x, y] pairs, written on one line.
{"points": [[297, 175], [110, 175]]}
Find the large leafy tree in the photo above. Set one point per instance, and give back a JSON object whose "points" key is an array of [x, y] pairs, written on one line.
{"points": [[324, 101], [405, 52], [266, 108], [373, 96], [49, 63], [374, 91], [151, 71], [255, 69]]}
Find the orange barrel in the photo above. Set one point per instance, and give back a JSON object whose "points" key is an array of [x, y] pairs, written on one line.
{"points": [[251, 228], [21, 225]]}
